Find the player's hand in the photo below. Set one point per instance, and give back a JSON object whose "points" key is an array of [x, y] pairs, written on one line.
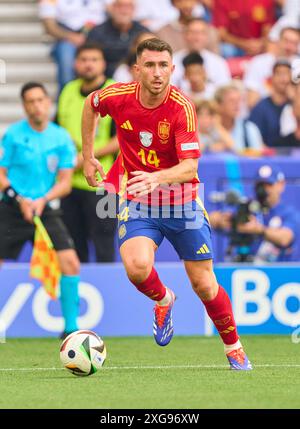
{"points": [[142, 183], [251, 227], [38, 206], [26, 209], [90, 168]]}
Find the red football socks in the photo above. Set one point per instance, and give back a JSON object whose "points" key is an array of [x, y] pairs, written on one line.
{"points": [[219, 310], [152, 287]]}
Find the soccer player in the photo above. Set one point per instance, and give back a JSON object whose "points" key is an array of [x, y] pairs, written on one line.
{"points": [[36, 164], [157, 132]]}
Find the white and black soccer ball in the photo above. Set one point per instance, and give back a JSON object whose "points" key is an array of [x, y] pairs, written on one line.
{"points": [[83, 353]]}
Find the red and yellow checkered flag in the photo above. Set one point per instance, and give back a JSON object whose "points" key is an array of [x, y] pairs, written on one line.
{"points": [[44, 264]]}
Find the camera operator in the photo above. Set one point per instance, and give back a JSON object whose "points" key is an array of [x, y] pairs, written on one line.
{"points": [[261, 230]]}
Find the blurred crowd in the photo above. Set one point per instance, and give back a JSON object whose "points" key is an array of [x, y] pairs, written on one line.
{"points": [[233, 59]]}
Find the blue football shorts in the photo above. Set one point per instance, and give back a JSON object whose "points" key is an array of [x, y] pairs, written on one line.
{"points": [[185, 226]]}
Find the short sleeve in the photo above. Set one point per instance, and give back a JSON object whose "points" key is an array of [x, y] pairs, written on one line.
{"points": [[47, 9], [186, 136], [100, 106], [6, 151], [67, 153]]}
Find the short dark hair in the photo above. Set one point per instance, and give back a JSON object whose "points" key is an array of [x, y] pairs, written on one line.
{"points": [[193, 58], [89, 46], [153, 44], [31, 85], [281, 62]]}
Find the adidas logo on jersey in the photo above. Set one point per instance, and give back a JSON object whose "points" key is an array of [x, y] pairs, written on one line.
{"points": [[203, 249], [127, 126]]}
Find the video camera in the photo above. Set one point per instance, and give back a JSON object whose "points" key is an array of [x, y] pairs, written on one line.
{"points": [[245, 207]]}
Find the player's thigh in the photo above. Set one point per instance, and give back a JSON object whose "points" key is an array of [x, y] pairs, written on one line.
{"points": [[137, 254], [190, 234]]}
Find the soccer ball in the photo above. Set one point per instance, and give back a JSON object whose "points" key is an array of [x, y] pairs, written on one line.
{"points": [[83, 353]]}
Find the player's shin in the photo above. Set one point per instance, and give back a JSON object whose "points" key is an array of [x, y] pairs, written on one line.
{"points": [[220, 311], [152, 287], [69, 301]]}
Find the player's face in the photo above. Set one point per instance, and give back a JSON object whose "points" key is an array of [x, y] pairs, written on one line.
{"points": [[90, 64], [37, 105], [154, 70]]}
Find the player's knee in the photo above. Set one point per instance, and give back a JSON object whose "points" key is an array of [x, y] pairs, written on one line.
{"points": [[138, 269]]}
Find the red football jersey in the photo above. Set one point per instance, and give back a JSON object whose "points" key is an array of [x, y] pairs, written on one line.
{"points": [[150, 139], [245, 19]]}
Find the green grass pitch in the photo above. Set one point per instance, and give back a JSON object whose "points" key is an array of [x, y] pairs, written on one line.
{"points": [[191, 372]]}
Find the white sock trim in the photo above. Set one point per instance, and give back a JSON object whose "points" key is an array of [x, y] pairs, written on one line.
{"points": [[230, 347], [166, 299]]}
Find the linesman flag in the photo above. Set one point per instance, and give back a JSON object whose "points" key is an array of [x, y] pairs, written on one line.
{"points": [[44, 264]]}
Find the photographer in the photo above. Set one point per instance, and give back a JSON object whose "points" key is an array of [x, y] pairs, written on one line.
{"points": [[261, 230]]}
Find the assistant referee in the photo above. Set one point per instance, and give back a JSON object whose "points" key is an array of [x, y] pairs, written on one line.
{"points": [[36, 164]]}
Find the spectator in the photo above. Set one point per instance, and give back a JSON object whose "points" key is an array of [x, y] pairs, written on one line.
{"points": [[288, 123], [290, 144], [195, 75], [117, 33], [273, 232], [243, 25], [173, 33], [290, 18], [68, 22], [79, 206], [259, 69], [196, 37], [212, 135], [155, 14], [266, 114], [125, 72], [245, 134]]}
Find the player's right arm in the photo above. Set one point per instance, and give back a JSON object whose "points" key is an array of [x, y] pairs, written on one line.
{"points": [[88, 128]]}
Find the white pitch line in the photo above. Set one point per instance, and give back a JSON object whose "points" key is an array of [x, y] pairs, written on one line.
{"points": [[113, 368]]}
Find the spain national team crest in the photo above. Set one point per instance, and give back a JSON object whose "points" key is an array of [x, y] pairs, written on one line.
{"points": [[146, 138], [164, 131]]}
